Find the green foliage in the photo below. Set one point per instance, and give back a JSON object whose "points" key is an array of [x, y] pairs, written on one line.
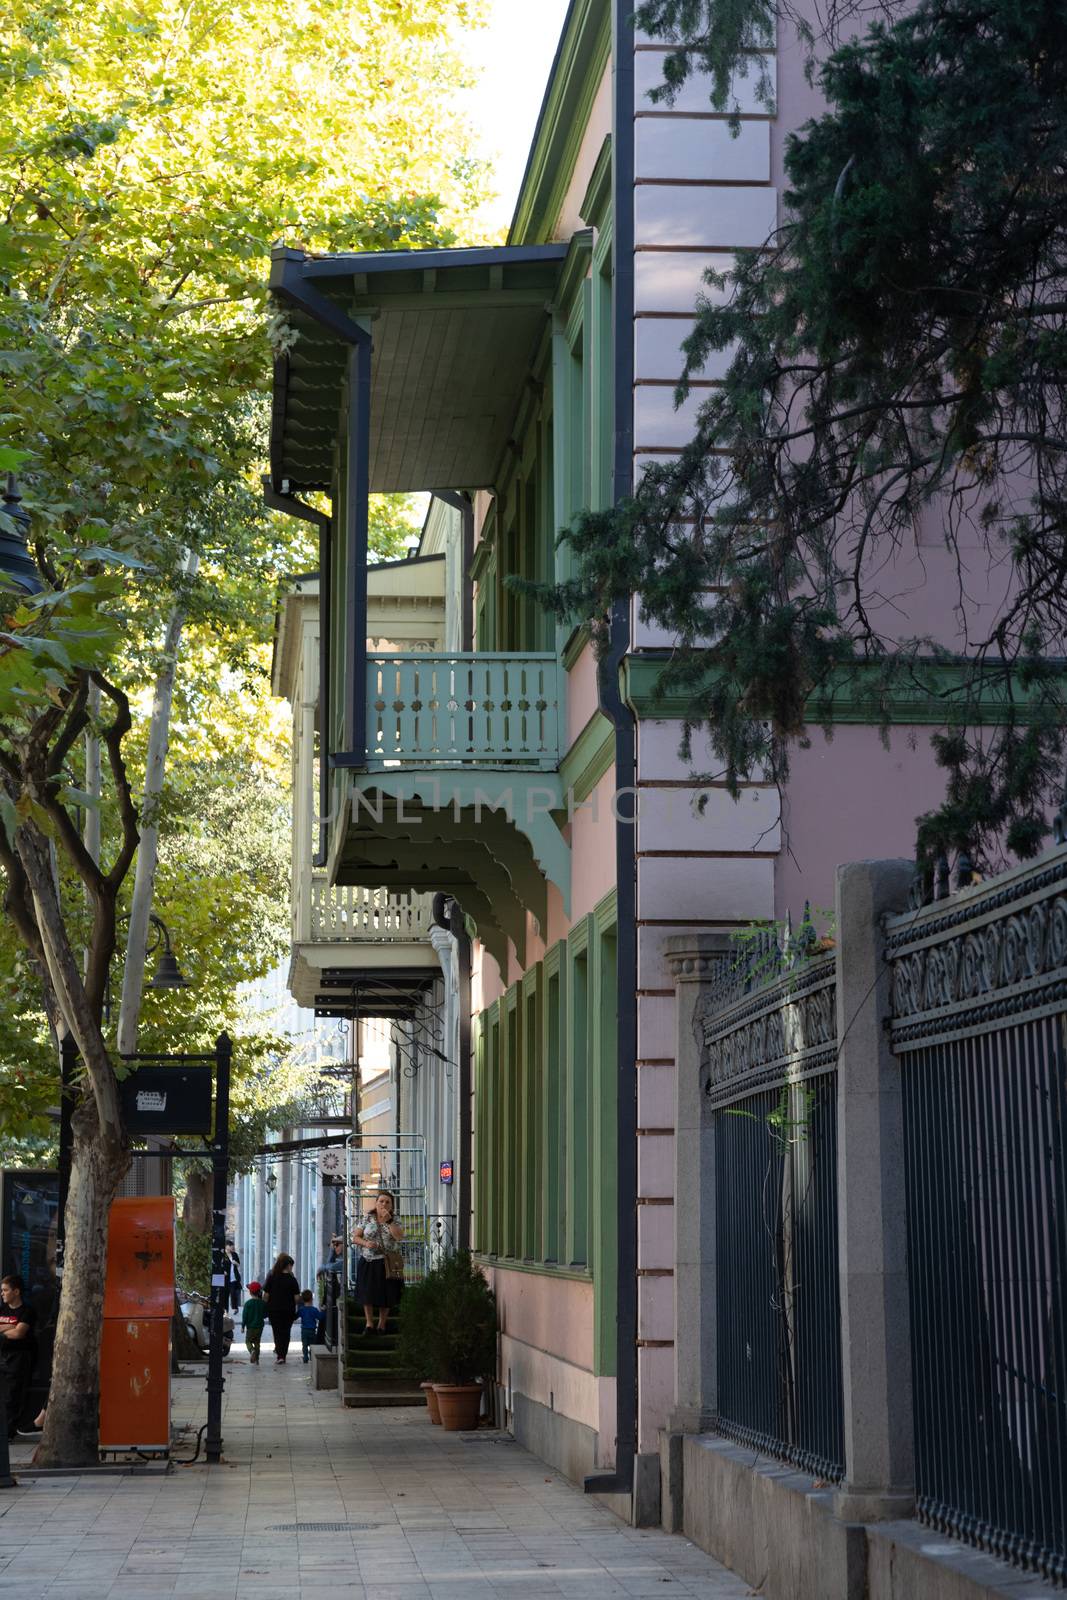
{"points": [[892, 421], [192, 1259], [394, 524], [149, 159], [448, 1323]]}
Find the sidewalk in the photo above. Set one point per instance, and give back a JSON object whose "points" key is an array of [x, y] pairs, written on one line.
{"points": [[427, 1515]]}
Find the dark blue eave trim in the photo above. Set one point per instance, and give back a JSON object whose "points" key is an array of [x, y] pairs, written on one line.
{"points": [[621, 1481], [375, 261]]}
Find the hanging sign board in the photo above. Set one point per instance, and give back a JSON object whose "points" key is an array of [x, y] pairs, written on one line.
{"points": [[167, 1100]]}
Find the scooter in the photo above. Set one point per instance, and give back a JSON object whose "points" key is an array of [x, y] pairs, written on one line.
{"points": [[196, 1312]]}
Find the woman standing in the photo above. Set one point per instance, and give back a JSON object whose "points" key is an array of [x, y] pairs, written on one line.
{"points": [[281, 1292], [378, 1236]]}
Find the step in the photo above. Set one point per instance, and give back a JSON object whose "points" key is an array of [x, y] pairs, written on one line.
{"points": [[384, 1375], [395, 1391], [368, 1362], [369, 1397]]}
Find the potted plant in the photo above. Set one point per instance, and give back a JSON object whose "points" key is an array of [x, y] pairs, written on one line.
{"points": [[418, 1317], [448, 1330]]}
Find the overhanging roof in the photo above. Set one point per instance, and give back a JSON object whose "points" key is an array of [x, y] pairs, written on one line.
{"points": [[454, 333]]}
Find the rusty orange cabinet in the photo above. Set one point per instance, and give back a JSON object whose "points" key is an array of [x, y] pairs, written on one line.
{"points": [[135, 1346]]}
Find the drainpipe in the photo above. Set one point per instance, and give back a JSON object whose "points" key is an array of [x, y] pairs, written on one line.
{"points": [[621, 1481]]}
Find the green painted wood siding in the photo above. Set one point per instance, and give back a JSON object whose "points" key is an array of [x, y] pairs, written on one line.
{"points": [[545, 1119]]}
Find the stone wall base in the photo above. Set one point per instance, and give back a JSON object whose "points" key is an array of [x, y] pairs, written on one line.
{"points": [[566, 1445], [774, 1528], [768, 1523], [906, 1560]]}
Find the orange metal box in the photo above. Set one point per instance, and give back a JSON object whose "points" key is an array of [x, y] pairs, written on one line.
{"points": [[135, 1385], [140, 1258]]}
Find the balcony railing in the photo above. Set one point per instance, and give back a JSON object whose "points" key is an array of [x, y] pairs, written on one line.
{"points": [[348, 911], [464, 710]]}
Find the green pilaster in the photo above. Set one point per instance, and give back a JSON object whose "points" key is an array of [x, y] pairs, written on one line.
{"points": [[532, 1117], [553, 1113], [603, 1057], [579, 1152]]}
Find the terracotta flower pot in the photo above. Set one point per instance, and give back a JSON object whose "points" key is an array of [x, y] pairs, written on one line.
{"points": [[460, 1405], [431, 1401]]}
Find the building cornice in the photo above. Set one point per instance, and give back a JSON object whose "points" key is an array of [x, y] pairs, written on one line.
{"points": [[928, 697], [584, 52]]}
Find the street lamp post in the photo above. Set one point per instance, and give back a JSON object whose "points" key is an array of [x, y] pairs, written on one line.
{"points": [[168, 975], [220, 1162]]}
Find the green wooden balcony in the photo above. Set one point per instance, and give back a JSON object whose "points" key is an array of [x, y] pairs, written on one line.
{"points": [[464, 710]]}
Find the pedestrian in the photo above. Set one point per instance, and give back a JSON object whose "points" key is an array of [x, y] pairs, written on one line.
{"points": [[232, 1267], [253, 1317], [310, 1323], [380, 1272], [282, 1291], [330, 1276], [18, 1346]]}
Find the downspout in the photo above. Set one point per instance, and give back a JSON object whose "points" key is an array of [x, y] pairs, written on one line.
{"points": [[292, 507], [621, 1481]]}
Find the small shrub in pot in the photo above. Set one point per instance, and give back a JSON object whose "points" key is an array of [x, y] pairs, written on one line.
{"points": [[448, 1334]]}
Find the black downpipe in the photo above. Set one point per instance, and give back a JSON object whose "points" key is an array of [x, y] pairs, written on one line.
{"points": [[621, 1481], [292, 507]]}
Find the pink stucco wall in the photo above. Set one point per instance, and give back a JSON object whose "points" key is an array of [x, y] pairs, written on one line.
{"points": [[582, 697], [849, 799]]}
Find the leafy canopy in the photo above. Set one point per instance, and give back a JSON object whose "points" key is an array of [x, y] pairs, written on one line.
{"points": [[151, 155]]}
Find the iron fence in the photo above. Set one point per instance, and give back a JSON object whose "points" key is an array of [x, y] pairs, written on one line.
{"points": [[770, 1056], [979, 998]]}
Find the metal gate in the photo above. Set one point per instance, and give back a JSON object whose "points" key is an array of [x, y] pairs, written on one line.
{"points": [[374, 1162]]}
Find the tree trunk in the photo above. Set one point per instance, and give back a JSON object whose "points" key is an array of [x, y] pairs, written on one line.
{"points": [[99, 1162], [148, 849], [98, 1165], [196, 1212]]}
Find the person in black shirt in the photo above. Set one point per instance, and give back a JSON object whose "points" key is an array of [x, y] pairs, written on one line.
{"points": [[281, 1292], [18, 1346], [232, 1267]]}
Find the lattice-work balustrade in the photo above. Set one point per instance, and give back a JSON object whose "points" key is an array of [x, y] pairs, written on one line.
{"points": [[349, 911], [464, 710]]}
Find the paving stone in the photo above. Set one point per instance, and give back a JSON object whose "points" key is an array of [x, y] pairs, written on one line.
{"points": [[447, 1519]]}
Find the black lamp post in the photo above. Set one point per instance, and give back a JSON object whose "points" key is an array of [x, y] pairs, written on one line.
{"points": [[16, 563]]}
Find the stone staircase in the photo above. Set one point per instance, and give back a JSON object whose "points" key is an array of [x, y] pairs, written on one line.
{"points": [[371, 1376]]}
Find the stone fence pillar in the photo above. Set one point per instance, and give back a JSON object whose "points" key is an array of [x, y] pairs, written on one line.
{"points": [[695, 959], [875, 1332]]}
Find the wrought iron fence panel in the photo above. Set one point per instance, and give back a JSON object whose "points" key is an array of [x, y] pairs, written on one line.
{"points": [[770, 1058], [980, 1002], [779, 1343]]}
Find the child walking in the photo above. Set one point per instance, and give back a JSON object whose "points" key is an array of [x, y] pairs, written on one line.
{"points": [[252, 1319], [310, 1317]]}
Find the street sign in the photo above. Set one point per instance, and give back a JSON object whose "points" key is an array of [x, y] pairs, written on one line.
{"points": [[167, 1100], [331, 1163]]}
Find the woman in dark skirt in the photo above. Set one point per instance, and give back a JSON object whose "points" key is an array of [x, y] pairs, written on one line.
{"points": [[378, 1235], [281, 1292]]}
